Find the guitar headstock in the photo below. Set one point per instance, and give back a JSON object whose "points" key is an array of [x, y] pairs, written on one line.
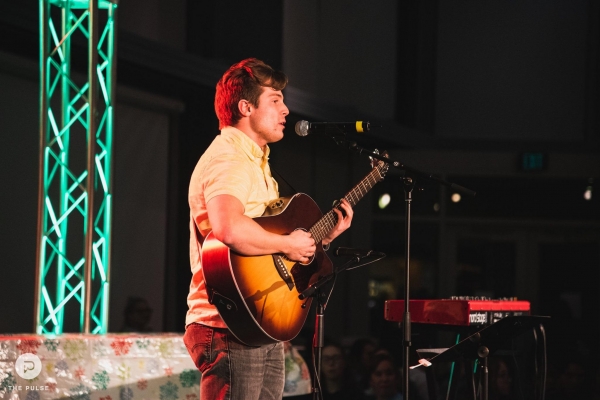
{"points": [[381, 166]]}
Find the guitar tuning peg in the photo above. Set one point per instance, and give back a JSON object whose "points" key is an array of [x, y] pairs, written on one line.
{"points": [[374, 161]]}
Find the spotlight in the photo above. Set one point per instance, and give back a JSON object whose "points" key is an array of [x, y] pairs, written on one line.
{"points": [[588, 190], [384, 200], [455, 197]]}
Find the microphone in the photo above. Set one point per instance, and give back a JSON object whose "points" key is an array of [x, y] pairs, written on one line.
{"points": [[304, 128], [360, 253]]}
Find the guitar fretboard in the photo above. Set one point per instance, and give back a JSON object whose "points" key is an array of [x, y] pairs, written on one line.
{"points": [[323, 226]]}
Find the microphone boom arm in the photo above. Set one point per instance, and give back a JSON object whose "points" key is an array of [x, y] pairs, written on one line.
{"points": [[416, 172]]}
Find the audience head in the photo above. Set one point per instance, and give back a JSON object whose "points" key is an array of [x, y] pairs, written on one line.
{"points": [[137, 314], [333, 361], [383, 376], [571, 379], [500, 378], [359, 359]]}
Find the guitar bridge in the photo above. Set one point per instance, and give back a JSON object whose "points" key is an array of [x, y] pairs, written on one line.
{"points": [[282, 270]]}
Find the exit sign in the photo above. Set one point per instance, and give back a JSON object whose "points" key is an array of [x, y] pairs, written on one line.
{"points": [[533, 162]]}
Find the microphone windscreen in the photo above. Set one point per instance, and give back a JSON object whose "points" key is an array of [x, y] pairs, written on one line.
{"points": [[302, 128]]}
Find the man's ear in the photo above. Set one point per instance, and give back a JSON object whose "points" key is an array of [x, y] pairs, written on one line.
{"points": [[245, 107]]}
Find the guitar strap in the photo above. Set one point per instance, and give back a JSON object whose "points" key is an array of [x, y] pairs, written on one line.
{"points": [[288, 189]]}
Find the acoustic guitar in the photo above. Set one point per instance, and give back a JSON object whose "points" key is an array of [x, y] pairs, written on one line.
{"points": [[257, 296]]}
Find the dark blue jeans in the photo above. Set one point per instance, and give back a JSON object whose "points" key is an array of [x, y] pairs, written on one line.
{"points": [[233, 371]]}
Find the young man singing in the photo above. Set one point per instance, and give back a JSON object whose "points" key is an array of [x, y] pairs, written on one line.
{"points": [[231, 185]]}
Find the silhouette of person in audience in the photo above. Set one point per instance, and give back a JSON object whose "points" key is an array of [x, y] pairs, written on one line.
{"points": [[137, 315], [500, 380], [384, 378], [359, 359], [337, 382], [570, 379]]}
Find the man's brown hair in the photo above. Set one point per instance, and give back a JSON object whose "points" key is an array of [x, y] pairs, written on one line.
{"points": [[244, 81]]}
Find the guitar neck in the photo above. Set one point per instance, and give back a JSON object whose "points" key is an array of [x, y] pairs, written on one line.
{"points": [[328, 221]]}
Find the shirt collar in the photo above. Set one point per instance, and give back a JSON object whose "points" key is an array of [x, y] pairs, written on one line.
{"points": [[248, 146]]}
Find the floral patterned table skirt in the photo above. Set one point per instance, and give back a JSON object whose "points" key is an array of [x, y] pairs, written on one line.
{"points": [[100, 367]]}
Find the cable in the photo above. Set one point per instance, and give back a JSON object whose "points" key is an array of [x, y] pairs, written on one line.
{"points": [[318, 378], [536, 366], [313, 355], [367, 263], [543, 331], [335, 275], [452, 370], [475, 386], [513, 352]]}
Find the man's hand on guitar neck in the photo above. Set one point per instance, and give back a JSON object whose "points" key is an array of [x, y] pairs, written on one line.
{"points": [[299, 251], [344, 220]]}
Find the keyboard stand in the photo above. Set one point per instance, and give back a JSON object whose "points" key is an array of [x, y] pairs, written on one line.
{"points": [[480, 345]]}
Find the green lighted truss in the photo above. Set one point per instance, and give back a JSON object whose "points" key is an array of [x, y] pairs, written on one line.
{"points": [[75, 193]]}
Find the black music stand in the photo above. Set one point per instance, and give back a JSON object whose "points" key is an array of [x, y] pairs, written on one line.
{"points": [[484, 343]]}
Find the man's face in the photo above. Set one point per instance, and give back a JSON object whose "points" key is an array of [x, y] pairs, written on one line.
{"points": [[267, 121]]}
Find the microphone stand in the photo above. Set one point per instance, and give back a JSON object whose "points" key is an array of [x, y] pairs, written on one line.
{"points": [[409, 184], [314, 290]]}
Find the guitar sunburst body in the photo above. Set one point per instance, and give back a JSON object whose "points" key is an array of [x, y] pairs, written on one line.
{"points": [[257, 296], [258, 306]]}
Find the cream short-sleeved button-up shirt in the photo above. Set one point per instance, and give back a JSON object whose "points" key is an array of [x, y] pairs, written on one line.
{"points": [[235, 165]]}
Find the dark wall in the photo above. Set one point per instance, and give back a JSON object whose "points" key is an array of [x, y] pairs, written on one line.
{"points": [[473, 76], [512, 71], [18, 220], [224, 30]]}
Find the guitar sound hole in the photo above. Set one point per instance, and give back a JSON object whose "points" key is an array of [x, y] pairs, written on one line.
{"points": [[302, 275], [310, 260]]}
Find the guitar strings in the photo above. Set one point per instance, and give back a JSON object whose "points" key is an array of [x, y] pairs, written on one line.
{"points": [[328, 221]]}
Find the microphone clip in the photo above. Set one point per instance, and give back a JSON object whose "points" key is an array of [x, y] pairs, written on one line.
{"points": [[357, 253]]}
